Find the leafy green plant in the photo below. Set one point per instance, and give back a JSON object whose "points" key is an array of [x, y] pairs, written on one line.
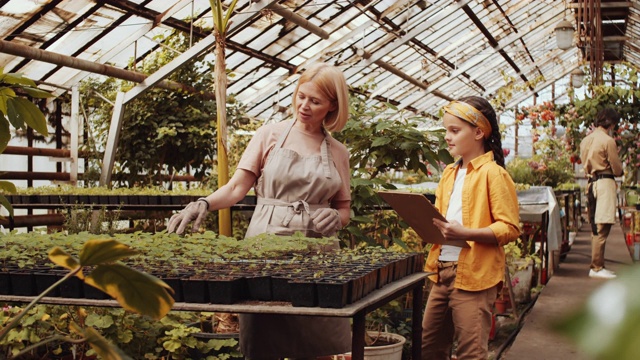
{"points": [[135, 291], [17, 110], [519, 254], [382, 140]]}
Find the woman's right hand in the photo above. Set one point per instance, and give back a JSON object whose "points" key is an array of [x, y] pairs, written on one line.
{"points": [[196, 211]]}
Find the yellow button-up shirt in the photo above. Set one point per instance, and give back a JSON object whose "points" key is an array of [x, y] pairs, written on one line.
{"points": [[488, 200]]}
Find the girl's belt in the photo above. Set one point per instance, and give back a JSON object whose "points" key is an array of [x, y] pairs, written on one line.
{"points": [[446, 264]]}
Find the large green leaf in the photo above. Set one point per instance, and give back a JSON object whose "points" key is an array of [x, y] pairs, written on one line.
{"points": [[5, 94], [102, 251], [62, 258], [4, 202], [105, 349], [13, 114], [17, 79], [134, 290], [37, 93], [31, 115], [5, 133], [7, 187]]}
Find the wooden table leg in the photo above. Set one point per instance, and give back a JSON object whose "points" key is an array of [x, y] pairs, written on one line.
{"points": [[416, 323], [357, 342]]}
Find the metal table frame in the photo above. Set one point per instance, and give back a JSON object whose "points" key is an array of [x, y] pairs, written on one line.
{"points": [[357, 310]]}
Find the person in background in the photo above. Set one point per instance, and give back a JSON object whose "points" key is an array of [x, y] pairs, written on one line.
{"points": [[599, 156], [478, 198], [301, 177]]}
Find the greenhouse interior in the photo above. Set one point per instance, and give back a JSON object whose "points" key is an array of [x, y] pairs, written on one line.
{"points": [[187, 179]]}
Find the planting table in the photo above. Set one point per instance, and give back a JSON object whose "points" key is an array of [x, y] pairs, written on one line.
{"points": [[357, 310]]}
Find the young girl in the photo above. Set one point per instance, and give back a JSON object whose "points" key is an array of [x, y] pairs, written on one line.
{"points": [[478, 198]]}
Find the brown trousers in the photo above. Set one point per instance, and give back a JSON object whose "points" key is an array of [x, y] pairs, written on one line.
{"points": [[456, 314], [598, 242]]}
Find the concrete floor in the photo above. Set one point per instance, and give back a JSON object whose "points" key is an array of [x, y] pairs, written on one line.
{"points": [[569, 287]]}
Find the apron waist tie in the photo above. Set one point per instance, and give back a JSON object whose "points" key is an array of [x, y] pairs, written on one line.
{"points": [[293, 208]]}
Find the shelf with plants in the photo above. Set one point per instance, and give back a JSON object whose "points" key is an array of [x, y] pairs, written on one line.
{"points": [[208, 268], [631, 230], [51, 197]]}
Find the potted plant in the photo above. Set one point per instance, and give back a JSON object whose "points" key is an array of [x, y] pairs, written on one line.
{"points": [[520, 261]]}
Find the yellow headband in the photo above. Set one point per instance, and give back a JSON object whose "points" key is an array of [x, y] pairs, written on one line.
{"points": [[469, 114]]}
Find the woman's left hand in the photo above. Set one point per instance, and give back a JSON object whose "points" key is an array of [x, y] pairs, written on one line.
{"points": [[326, 220]]}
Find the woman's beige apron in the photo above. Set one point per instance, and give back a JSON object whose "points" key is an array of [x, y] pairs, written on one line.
{"points": [[289, 190]]}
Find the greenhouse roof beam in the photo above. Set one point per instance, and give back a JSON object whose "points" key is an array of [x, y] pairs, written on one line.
{"points": [[298, 20], [108, 55], [471, 63], [394, 70], [440, 56], [515, 101], [186, 27], [59, 35], [492, 41], [443, 14], [28, 52], [22, 28]]}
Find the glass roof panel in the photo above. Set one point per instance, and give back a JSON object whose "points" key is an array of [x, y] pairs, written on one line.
{"points": [[435, 41]]}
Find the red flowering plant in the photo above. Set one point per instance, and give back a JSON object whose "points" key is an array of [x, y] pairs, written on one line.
{"points": [[552, 163], [623, 97]]}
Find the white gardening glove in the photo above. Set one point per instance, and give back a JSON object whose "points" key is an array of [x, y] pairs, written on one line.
{"points": [[326, 221], [196, 210]]}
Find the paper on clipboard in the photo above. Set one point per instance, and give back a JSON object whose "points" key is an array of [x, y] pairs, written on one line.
{"points": [[418, 212]]}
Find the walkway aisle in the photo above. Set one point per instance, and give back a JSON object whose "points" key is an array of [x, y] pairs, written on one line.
{"points": [[569, 286]]}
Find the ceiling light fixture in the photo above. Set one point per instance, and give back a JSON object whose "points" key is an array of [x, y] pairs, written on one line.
{"points": [[564, 34], [577, 78]]}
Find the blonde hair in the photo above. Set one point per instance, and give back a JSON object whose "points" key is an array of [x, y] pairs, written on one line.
{"points": [[330, 80]]}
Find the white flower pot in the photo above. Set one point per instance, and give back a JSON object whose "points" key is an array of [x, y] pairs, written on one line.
{"points": [[521, 283], [385, 352]]}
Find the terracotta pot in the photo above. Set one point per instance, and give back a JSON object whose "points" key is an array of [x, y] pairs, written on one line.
{"points": [[501, 306]]}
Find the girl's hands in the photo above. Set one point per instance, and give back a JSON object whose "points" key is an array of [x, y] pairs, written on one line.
{"points": [[452, 230]]}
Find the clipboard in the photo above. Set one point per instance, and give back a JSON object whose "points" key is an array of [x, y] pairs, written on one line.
{"points": [[418, 212]]}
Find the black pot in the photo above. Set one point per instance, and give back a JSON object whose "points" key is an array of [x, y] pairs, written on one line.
{"points": [[195, 290], [303, 293], [280, 288], [259, 287], [44, 280], [227, 290], [208, 334], [357, 285], [72, 287], [333, 293], [22, 283], [176, 285], [5, 284], [131, 200]]}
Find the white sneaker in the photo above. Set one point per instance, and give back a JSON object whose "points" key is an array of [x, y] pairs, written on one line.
{"points": [[602, 274]]}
